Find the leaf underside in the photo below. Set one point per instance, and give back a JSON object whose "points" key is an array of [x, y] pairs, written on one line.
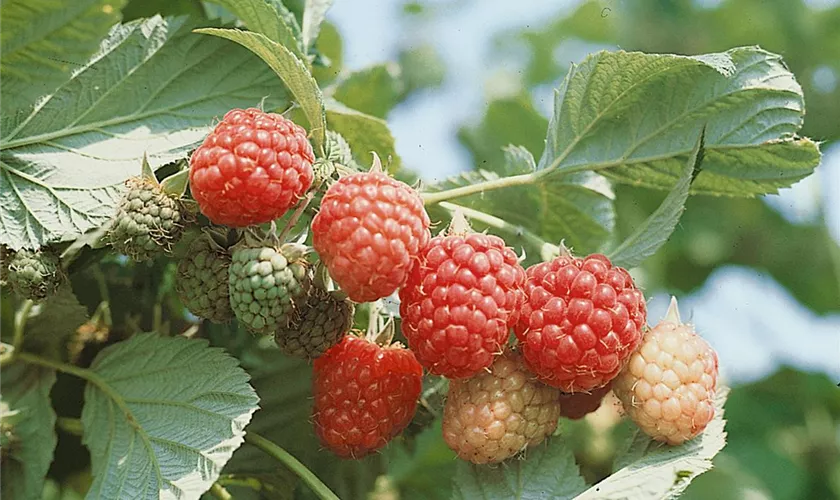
{"points": [[173, 413]]}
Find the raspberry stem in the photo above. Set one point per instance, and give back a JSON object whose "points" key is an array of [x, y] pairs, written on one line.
{"points": [[481, 187], [296, 215]]}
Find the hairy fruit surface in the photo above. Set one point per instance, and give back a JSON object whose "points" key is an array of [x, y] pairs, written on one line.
{"points": [[369, 230], [668, 387], [462, 296], [320, 321], [365, 394], [251, 168], [202, 281], [148, 221], [496, 414], [33, 275], [264, 282], [581, 320]]}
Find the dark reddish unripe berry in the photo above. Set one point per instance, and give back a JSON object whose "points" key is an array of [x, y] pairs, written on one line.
{"points": [[368, 231], [251, 169], [581, 320], [365, 394], [580, 404], [462, 297]]}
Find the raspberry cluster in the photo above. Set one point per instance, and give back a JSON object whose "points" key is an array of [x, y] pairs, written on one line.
{"points": [[579, 323]]}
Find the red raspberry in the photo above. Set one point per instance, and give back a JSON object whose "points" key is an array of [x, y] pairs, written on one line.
{"points": [[668, 387], [365, 394], [368, 231], [580, 322], [460, 301], [251, 169], [580, 404]]}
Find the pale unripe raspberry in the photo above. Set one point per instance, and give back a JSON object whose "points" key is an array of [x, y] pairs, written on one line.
{"points": [[498, 413], [668, 386]]}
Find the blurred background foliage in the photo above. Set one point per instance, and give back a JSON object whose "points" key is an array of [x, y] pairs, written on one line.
{"points": [[783, 428]]}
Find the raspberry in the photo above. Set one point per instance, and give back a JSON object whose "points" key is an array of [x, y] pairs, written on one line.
{"points": [[461, 298], [34, 275], [496, 414], [321, 321], [578, 405], [365, 394], [264, 281], [669, 385], [202, 281], [251, 169], [368, 231], [148, 221], [581, 321]]}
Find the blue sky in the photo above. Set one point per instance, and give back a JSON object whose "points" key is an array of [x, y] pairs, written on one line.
{"points": [[753, 322]]}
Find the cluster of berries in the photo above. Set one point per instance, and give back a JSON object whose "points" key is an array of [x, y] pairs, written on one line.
{"points": [[579, 323]]}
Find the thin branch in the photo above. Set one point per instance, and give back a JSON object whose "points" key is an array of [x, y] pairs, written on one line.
{"points": [[292, 463], [219, 491], [481, 187], [21, 317]]}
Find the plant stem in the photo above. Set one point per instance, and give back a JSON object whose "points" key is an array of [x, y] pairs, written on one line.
{"points": [[70, 425], [503, 182], [296, 215], [219, 491], [21, 317], [547, 250], [82, 373], [292, 463]]}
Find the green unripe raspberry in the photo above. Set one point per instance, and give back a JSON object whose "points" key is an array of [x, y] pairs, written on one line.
{"points": [[321, 320], [264, 281], [148, 221], [34, 275], [202, 281]]}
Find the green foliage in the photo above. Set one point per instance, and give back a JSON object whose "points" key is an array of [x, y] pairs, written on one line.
{"points": [[547, 471], [364, 133], [373, 90], [62, 162], [313, 15], [272, 19], [655, 231], [290, 69], [44, 43], [649, 469], [28, 422], [143, 394], [618, 109]]}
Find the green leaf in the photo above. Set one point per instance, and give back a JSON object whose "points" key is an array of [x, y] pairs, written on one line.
{"points": [[154, 88], [44, 41], [163, 416], [313, 15], [650, 469], [547, 471], [291, 70], [52, 322], [618, 110], [426, 471], [271, 18], [364, 133], [655, 231], [576, 208], [373, 90], [25, 405]]}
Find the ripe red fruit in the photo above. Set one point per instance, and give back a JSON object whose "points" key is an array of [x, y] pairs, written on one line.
{"points": [[365, 394], [251, 169], [462, 297], [581, 321], [368, 231]]}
